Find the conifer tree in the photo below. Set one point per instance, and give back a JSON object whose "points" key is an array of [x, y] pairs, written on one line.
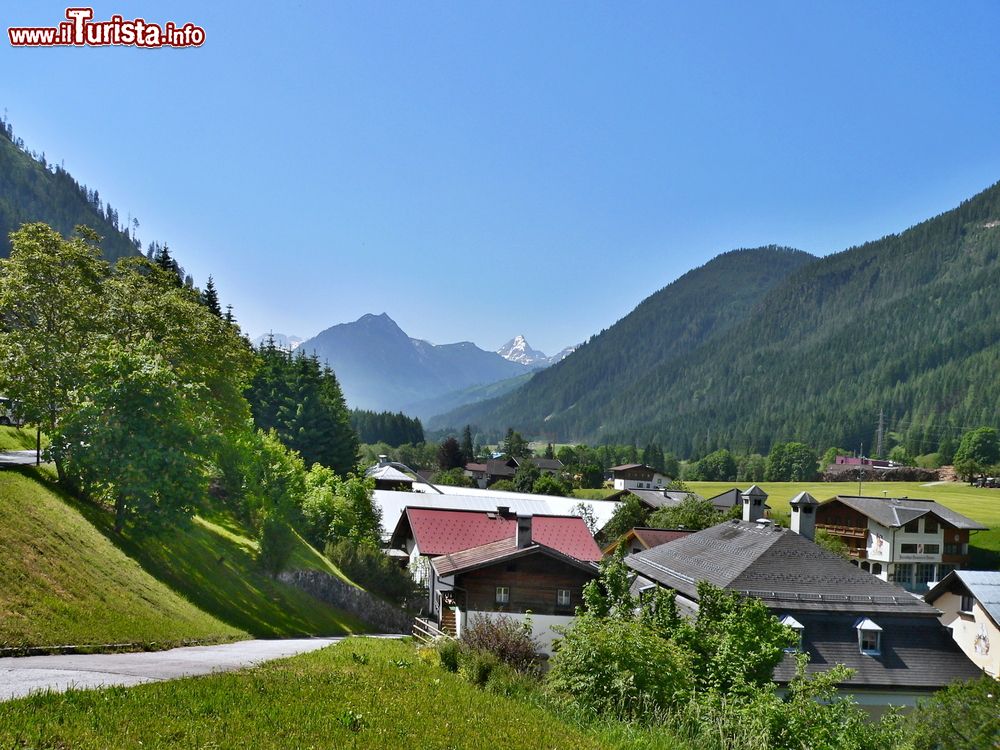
{"points": [[210, 298]]}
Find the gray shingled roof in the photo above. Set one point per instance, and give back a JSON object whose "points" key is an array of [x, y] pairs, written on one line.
{"points": [[661, 498], [784, 569], [982, 584], [916, 652], [895, 512]]}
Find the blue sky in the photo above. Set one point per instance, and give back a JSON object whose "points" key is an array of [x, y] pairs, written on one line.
{"points": [[479, 170]]}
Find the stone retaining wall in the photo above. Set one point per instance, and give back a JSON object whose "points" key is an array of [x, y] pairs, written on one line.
{"points": [[378, 613]]}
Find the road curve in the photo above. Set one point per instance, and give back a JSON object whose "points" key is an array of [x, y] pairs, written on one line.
{"points": [[22, 675]]}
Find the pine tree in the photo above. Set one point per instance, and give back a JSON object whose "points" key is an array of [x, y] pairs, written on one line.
{"points": [[468, 451], [210, 298]]}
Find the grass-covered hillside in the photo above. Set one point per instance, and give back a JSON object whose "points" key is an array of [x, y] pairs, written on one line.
{"points": [[68, 579], [16, 439], [359, 694], [62, 582]]}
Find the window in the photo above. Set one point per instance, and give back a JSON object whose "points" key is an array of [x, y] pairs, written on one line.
{"points": [[901, 573], [798, 627], [930, 525], [869, 636], [563, 597], [503, 594], [954, 549], [870, 641], [925, 572], [912, 527], [967, 601], [908, 549], [876, 569], [932, 549]]}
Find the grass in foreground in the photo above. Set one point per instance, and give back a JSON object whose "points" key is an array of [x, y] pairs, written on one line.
{"points": [[62, 582], [363, 693]]}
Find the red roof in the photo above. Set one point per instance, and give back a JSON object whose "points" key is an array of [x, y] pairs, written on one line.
{"points": [[443, 532]]}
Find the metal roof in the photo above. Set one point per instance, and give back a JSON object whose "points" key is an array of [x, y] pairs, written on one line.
{"points": [[984, 585], [392, 503], [439, 531]]}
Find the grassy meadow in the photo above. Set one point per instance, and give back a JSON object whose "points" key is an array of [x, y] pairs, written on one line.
{"points": [[362, 693], [73, 580]]}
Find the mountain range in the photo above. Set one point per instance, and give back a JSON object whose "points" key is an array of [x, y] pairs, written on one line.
{"points": [[769, 344], [382, 368]]}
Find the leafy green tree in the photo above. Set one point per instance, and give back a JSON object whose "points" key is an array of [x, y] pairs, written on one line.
{"points": [[631, 512], [135, 443], [751, 468], [550, 484], [901, 456], [276, 488], [719, 466], [591, 477], [338, 509], [692, 512], [515, 446], [978, 451], [452, 478], [671, 466], [963, 716], [831, 543], [567, 455], [946, 449], [51, 320], [830, 456], [791, 462], [450, 455], [526, 476]]}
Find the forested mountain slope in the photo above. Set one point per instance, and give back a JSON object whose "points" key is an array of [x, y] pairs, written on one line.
{"points": [[575, 397], [909, 323], [34, 190]]}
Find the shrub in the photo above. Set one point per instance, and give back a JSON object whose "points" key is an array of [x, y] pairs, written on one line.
{"points": [[372, 569], [476, 666], [448, 652], [509, 640], [619, 667]]}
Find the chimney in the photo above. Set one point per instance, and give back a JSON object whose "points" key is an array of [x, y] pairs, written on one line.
{"points": [[523, 531], [382, 459], [503, 511], [753, 503], [804, 514]]}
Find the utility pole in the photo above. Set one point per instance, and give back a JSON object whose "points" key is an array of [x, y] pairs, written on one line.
{"points": [[880, 433]]}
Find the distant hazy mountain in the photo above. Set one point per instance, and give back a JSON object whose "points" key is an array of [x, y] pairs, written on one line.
{"points": [[280, 340], [380, 367]]}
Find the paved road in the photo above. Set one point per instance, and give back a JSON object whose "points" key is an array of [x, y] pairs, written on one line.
{"points": [[22, 675], [15, 458]]}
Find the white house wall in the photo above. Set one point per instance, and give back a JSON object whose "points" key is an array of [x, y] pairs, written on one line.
{"points": [[976, 634], [542, 626]]}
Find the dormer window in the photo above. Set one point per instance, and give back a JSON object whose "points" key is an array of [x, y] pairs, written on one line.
{"points": [[869, 637], [798, 627]]}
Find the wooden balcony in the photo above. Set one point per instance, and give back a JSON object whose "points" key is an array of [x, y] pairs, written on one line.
{"points": [[859, 553], [858, 532]]}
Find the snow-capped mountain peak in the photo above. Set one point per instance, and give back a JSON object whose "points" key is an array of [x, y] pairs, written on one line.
{"points": [[519, 350]]}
